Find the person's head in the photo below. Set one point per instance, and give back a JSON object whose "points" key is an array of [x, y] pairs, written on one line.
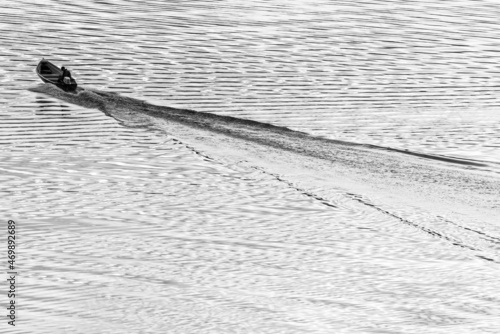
{"points": [[63, 68]]}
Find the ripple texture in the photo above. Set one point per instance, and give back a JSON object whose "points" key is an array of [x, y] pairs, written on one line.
{"points": [[126, 229]]}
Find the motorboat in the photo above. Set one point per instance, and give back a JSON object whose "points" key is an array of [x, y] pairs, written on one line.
{"points": [[50, 73]]}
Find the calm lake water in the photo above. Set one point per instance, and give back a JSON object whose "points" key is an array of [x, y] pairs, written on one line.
{"points": [[124, 228]]}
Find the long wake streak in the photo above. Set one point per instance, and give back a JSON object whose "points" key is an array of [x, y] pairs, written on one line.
{"points": [[116, 105], [464, 186], [388, 162]]}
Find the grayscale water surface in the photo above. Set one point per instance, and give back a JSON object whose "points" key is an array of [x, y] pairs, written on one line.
{"points": [[124, 228]]}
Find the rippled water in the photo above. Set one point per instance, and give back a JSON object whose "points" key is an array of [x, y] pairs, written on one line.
{"points": [[124, 228], [421, 76]]}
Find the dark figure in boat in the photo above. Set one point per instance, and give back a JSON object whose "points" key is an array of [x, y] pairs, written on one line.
{"points": [[65, 76]]}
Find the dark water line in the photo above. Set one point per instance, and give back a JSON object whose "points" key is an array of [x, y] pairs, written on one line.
{"points": [[307, 193], [461, 161], [429, 231], [406, 221], [409, 222]]}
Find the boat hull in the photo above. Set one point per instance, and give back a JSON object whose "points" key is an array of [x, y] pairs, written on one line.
{"points": [[50, 73]]}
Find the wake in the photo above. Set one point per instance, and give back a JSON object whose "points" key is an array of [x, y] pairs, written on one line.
{"points": [[389, 180], [122, 108]]}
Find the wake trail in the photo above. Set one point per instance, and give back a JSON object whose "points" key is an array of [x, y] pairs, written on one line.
{"points": [[115, 105], [462, 189]]}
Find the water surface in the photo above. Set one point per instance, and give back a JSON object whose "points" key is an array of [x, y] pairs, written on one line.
{"points": [[125, 228]]}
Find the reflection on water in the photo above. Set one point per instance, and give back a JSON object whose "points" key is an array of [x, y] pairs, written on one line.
{"points": [[124, 229], [46, 106]]}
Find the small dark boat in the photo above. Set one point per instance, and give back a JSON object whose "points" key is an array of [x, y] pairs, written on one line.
{"points": [[50, 73]]}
